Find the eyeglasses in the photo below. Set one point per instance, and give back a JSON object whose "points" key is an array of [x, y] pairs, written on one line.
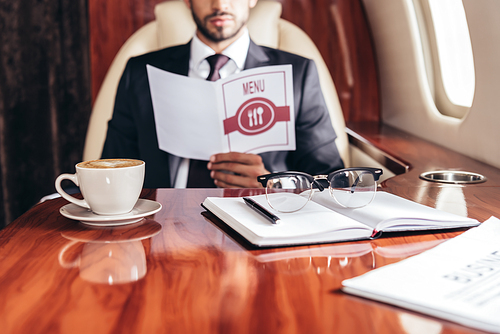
{"points": [[349, 188]]}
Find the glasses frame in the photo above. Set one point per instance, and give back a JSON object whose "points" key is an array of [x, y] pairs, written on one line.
{"points": [[316, 181]]}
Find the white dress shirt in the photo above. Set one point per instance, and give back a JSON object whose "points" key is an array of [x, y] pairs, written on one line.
{"points": [[200, 68]]}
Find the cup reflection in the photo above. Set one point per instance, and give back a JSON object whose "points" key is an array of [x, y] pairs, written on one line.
{"points": [[113, 255], [109, 262]]}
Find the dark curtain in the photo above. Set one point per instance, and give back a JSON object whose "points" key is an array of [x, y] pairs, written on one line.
{"points": [[44, 97]]}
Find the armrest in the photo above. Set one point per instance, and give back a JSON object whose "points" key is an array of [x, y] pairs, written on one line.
{"points": [[407, 156]]}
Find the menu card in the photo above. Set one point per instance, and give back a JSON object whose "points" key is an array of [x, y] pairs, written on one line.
{"points": [[249, 112]]}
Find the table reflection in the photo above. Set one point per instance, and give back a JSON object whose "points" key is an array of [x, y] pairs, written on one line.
{"points": [[337, 258], [414, 324], [452, 199], [108, 255]]}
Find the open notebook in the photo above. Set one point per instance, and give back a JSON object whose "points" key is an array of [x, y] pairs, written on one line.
{"points": [[320, 221]]}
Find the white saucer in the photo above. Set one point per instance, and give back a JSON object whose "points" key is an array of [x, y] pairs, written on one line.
{"points": [[143, 208]]}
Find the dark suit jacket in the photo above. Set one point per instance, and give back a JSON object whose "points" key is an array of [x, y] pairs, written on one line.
{"points": [[132, 132]]}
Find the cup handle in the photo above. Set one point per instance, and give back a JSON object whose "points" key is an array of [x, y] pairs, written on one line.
{"points": [[73, 178], [62, 262]]}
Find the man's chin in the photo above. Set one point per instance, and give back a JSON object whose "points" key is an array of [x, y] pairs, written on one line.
{"points": [[219, 35]]}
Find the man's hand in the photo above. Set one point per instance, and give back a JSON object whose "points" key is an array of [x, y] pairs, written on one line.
{"points": [[236, 170]]}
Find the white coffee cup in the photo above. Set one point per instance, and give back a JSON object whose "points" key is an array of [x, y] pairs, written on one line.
{"points": [[108, 186]]}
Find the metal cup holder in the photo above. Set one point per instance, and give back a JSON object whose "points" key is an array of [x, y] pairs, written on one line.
{"points": [[451, 176]]}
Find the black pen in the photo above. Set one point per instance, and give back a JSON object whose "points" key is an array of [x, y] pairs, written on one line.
{"points": [[257, 207]]}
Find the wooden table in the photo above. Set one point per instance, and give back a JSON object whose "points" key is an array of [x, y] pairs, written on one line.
{"points": [[188, 273]]}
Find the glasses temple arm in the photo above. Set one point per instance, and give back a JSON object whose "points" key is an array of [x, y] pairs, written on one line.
{"points": [[355, 184]]}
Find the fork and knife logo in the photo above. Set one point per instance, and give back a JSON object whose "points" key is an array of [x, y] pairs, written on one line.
{"points": [[252, 117], [256, 116]]}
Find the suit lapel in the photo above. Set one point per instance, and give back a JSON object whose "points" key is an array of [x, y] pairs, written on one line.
{"points": [[256, 57], [176, 59]]}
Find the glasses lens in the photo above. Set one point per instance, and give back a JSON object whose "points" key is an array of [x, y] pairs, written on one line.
{"points": [[353, 189], [282, 191]]}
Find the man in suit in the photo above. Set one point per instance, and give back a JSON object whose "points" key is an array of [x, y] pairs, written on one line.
{"points": [[221, 29]]}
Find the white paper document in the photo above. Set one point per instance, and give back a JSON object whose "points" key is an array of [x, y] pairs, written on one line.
{"points": [[249, 112], [458, 280]]}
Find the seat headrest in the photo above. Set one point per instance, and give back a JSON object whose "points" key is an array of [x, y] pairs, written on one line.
{"points": [[176, 25]]}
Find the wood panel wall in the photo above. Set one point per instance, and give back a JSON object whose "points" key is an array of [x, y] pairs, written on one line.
{"points": [[338, 27]]}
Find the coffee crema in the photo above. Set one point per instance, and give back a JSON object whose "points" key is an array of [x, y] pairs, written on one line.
{"points": [[110, 163]]}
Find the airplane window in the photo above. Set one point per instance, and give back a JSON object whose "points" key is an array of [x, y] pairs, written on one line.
{"points": [[451, 54]]}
